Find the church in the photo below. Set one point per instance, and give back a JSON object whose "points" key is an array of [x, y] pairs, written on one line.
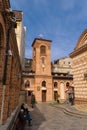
{"points": [[44, 78]]}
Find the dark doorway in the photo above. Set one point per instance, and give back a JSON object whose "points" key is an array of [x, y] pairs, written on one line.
{"points": [[29, 93], [55, 95], [28, 98], [43, 95]]}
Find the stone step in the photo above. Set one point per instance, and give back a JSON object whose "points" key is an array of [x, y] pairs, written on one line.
{"points": [[70, 110]]}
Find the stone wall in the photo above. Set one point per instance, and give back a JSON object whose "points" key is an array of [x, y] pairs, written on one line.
{"points": [[79, 66]]}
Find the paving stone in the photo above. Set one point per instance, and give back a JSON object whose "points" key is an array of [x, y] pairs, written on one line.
{"points": [[47, 117]]}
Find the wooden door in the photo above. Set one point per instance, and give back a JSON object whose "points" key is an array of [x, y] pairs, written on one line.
{"points": [[43, 95]]}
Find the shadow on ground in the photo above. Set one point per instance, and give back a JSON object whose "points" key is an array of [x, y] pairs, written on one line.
{"points": [[37, 119]]}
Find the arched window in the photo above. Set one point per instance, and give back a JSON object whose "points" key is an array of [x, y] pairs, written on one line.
{"points": [[44, 84], [67, 84], [27, 84], [55, 84], [42, 50]]}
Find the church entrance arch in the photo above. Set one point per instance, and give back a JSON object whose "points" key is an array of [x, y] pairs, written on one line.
{"points": [[43, 91]]}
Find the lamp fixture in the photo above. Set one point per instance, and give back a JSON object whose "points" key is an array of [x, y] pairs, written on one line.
{"points": [[9, 52]]}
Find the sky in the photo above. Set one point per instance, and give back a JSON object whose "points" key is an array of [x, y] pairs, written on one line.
{"points": [[61, 21]]}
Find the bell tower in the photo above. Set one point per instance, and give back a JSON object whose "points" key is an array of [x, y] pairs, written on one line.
{"points": [[42, 68]]}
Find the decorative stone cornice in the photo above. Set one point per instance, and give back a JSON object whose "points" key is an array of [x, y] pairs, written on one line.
{"points": [[80, 50]]}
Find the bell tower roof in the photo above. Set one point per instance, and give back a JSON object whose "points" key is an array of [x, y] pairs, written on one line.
{"points": [[40, 40]]}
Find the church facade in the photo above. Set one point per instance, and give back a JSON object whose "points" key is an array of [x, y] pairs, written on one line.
{"points": [[39, 77]]}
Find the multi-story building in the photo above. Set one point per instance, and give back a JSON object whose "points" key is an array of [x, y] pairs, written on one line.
{"points": [[20, 35], [79, 68], [28, 65], [44, 78], [62, 65]]}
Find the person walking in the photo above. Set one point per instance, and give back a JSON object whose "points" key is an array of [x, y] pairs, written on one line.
{"points": [[32, 100], [71, 95]]}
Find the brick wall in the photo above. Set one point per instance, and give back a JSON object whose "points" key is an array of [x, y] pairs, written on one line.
{"points": [[9, 92]]}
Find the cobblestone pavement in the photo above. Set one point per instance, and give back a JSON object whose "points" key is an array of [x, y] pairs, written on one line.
{"points": [[47, 117]]}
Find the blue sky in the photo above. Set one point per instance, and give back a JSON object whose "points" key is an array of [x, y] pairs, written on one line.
{"points": [[61, 21]]}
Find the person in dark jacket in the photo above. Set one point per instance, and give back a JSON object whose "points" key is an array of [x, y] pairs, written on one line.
{"points": [[28, 118], [22, 120], [22, 107]]}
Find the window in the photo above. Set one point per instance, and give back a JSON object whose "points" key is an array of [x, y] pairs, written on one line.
{"points": [[55, 84], [42, 50], [42, 60], [27, 84], [69, 63], [28, 61], [67, 84], [56, 69], [44, 84]]}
